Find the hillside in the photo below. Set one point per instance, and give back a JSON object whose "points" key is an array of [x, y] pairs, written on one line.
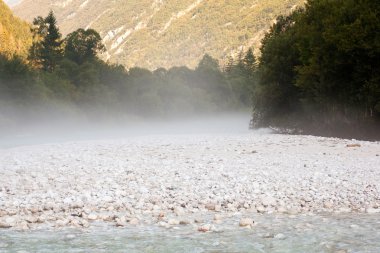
{"points": [[152, 33], [15, 36]]}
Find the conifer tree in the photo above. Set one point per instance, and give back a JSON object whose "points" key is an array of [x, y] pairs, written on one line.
{"points": [[46, 50], [249, 61]]}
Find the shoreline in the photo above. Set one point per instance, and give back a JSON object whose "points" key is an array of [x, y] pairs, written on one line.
{"points": [[271, 233]]}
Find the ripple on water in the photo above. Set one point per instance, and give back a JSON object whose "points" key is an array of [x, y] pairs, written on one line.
{"points": [[341, 233]]}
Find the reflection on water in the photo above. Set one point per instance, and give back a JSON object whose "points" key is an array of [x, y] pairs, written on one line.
{"points": [[341, 233]]}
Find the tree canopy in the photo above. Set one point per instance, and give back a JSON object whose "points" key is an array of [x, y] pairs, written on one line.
{"points": [[321, 65], [83, 45]]}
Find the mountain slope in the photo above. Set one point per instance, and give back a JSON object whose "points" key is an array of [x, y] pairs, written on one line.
{"points": [[15, 35], [153, 33]]}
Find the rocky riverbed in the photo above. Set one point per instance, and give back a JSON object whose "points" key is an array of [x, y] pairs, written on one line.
{"points": [[201, 182]]}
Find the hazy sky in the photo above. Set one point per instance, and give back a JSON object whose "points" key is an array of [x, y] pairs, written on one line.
{"points": [[12, 2]]}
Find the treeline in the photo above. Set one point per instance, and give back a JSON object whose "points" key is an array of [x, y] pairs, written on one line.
{"points": [[320, 70], [64, 76]]}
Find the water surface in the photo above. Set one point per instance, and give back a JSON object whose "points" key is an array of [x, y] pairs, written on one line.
{"points": [[272, 233]]}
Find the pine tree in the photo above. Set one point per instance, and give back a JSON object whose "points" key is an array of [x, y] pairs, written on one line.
{"points": [[46, 50], [51, 45], [249, 61]]}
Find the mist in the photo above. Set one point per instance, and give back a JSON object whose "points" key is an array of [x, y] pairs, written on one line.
{"points": [[43, 131], [95, 99]]}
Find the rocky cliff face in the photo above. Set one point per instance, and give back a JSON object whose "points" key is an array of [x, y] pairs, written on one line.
{"points": [[153, 33]]}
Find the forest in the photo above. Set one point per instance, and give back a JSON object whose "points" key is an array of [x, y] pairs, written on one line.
{"points": [[64, 77], [318, 72]]}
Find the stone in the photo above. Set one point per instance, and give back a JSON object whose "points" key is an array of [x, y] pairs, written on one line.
{"points": [[23, 225], [61, 223], [179, 211], [353, 145], [5, 225], [134, 221], [268, 201], [173, 222], [210, 206], [281, 209], [162, 223], [184, 222], [75, 223], [3, 213], [246, 222], [205, 228], [31, 219], [92, 216], [85, 223], [122, 219], [34, 210], [308, 199], [328, 204], [10, 221], [260, 209], [121, 224]]}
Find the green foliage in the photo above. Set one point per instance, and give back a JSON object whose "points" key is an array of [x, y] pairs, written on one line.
{"points": [[46, 50], [321, 65], [242, 76], [83, 45], [276, 93]]}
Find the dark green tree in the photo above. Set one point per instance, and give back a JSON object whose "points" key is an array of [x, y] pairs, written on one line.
{"points": [[249, 62], [276, 95], [46, 50], [83, 45], [319, 68]]}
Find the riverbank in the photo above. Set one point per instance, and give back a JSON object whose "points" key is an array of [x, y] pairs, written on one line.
{"points": [[182, 180]]}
